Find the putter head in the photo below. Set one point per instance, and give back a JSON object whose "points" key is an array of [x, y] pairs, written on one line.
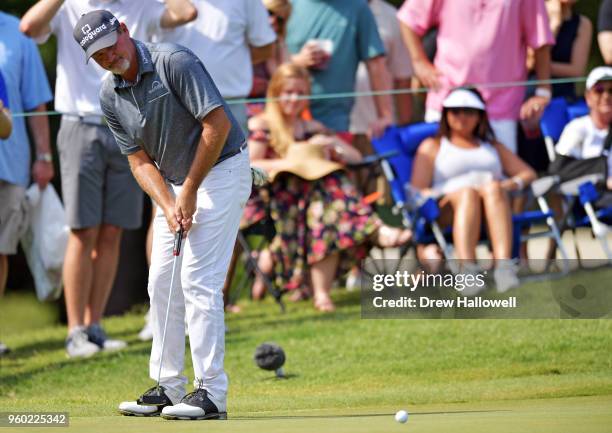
{"points": [[155, 396], [270, 356]]}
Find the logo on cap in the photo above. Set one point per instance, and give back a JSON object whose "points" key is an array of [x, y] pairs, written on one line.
{"points": [[86, 29], [90, 35]]}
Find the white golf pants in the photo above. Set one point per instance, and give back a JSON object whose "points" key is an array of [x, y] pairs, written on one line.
{"points": [[198, 282]]}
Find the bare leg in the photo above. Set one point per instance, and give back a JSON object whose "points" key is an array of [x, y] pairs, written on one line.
{"points": [[467, 214], [499, 219], [104, 271], [266, 264], [322, 276], [430, 257], [517, 205], [3, 273], [78, 273]]}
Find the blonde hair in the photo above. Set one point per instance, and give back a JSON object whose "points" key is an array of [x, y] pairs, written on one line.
{"points": [[281, 132], [282, 8]]}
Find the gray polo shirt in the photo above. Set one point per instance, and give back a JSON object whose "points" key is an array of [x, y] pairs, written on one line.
{"points": [[162, 111]]}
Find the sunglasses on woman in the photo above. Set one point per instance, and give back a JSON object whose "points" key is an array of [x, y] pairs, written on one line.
{"points": [[601, 88], [464, 110]]}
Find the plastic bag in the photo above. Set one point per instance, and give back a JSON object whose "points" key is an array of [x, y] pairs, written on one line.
{"points": [[44, 241]]}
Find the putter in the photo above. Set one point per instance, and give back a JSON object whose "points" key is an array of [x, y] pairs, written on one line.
{"points": [[156, 396]]}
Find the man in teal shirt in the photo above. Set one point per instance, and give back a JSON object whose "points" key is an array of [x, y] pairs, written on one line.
{"points": [[330, 38]]}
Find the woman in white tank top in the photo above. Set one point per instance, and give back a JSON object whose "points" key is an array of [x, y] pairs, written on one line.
{"points": [[472, 174]]}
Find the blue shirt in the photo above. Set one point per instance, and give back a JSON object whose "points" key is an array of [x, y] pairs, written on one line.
{"points": [[162, 111], [351, 27], [27, 88]]}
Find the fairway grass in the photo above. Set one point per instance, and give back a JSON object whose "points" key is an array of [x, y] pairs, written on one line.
{"points": [[493, 375]]}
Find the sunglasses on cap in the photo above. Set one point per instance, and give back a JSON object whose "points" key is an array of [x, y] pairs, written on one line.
{"points": [[280, 20], [464, 110], [600, 88]]}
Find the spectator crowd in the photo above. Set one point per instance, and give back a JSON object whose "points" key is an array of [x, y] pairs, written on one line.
{"points": [[334, 74]]}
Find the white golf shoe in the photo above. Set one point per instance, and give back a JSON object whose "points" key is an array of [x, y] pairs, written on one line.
{"points": [[196, 405], [139, 408], [132, 408]]}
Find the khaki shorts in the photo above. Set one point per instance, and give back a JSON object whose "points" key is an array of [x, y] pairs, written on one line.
{"points": [[13, 221], [97, 184]]}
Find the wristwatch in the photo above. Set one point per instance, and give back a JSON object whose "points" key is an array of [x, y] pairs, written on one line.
{"points": [[519, 182], [45, 156]]}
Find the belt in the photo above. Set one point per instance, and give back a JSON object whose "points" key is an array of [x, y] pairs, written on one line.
{"points": [[91, 119], [241, 149]]}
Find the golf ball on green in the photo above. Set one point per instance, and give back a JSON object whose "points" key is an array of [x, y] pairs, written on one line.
{"points": [[401, 416]]}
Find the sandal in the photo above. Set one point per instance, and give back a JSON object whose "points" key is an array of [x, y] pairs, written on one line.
{"points": [[392, 237], [324, 305], [299, 295], [233, 308]]}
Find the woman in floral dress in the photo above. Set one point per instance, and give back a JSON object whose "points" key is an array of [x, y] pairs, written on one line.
{"points": [[321, 225]]}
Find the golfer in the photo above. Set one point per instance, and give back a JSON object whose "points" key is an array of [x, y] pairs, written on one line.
{"points": [[187, 152]]}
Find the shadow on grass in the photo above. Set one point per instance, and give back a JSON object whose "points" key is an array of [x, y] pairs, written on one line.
{"points": [[11, 381], [285, 377], [288, 320]]}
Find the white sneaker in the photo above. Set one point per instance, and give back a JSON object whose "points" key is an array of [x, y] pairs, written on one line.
{"points": [[196, 405], [4, 350], [146, 333], [96, 335], [353, 281], [78, 344], [505, 276], [476, 287]]}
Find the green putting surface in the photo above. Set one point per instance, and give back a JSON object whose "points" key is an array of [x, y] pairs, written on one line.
{"points": [[563, 415], [460, 376]]}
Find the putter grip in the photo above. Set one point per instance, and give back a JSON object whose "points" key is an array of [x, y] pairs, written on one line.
{"points": [[178, 238]]}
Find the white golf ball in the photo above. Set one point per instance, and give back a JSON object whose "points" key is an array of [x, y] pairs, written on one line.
{"points": [[401, 416]]}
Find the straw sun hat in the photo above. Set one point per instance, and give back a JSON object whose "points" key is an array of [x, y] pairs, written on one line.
{"points": [[307, 161]]}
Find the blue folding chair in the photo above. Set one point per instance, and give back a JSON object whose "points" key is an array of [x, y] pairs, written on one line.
{"points": [[553, 121], [598, 219], [582, 190], [421, 214]]}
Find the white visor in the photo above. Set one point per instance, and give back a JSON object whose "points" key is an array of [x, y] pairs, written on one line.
{"points": [[462, 98], [602, 73]]}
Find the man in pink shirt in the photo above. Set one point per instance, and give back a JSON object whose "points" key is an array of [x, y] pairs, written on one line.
{"points": [[482, 42]]}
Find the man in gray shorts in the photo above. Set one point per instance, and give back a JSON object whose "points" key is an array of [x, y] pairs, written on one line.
{"points": [[187, 152]]}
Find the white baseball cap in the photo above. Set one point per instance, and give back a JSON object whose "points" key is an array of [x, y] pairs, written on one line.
{"points": [[462, 98], [598, 74]]}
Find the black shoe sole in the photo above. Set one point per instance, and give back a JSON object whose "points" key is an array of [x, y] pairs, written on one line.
{"points": [[210, 416], [127, 413]]}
